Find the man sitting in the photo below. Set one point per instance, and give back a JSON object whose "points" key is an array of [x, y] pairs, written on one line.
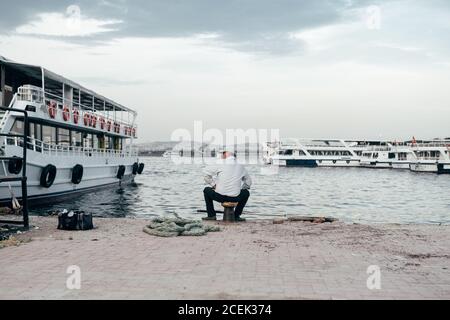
{"points": [[229, 182]]}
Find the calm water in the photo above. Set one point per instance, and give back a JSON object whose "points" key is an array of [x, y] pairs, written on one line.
{"points": [[350, 194]]}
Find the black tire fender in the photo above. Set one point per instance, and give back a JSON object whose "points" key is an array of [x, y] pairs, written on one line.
{"points": [[48, 176], [120, 172], [141, 168], [135, 168], [77, 173], [15, 165]]}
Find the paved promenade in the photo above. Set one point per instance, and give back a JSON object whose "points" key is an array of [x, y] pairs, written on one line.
{"points": [[253, 260]]}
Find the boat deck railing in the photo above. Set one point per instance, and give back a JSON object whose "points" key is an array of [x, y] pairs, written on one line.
{"points": [[377, 148], [67, 150], [431, 145], [325, 146], [38, 95]]}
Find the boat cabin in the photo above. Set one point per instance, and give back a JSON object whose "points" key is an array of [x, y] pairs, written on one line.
{"points": [[61, 112]]}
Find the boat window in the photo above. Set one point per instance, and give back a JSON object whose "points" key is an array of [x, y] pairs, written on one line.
{"points": [[87, 140], [49, 134], [107, 142], [67, 137], [17, 127], [101, 142], [32, 131], [95, 141], [435, 154], [391, 155], [63, 137], [37, 131], [117, 143], [76, 138]]}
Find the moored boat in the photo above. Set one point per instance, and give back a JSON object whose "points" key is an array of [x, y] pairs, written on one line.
{"points": [[431, 156], [312, 153], [388, 155], [76, 140]]}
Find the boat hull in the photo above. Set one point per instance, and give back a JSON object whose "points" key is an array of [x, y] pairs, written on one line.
{"points": [[443, 168], [376, 164], [98, 172], [401, 165], [313, 163], [36, 198], [338, 163], [295, 163], [424, 167]]}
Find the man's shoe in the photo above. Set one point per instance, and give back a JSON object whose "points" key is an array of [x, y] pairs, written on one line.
{"points": [[209, 218], [239, 219]]}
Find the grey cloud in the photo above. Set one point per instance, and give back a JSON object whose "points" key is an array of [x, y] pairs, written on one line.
{"points": [[250, 25], [111, 82]]}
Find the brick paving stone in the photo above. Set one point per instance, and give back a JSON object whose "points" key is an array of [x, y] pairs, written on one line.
{"points": [[294, 260]]}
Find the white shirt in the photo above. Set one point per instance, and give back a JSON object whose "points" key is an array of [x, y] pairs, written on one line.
{"points": [[229, 177]]}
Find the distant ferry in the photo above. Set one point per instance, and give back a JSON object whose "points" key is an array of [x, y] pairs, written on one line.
{"points": [[431, 156], [77, 139], [313, 153], [426, 156], [388, 155]]}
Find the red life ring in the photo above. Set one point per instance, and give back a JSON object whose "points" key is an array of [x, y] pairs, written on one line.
{"points": [[52, 109], [108, 126], [102, 123], [94, 121], [76, 115], [66, 113], [87, 119]]}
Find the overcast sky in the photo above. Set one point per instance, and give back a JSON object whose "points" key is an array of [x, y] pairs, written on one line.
{"points": [[344, 68]]}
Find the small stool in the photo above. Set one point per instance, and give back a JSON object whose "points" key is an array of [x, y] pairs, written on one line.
{"points": [[228, 211]]}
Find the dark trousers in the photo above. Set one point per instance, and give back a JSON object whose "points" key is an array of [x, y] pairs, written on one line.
{"points": [[211, 195]]}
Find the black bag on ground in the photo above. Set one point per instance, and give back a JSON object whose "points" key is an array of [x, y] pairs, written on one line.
{"points": [[75, 220], [85, 221]]}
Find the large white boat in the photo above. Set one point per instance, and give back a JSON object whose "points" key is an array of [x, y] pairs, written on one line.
{"points": [[424, 156], [313, 153], [76, 140], [388, 155], [431, 156]]}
